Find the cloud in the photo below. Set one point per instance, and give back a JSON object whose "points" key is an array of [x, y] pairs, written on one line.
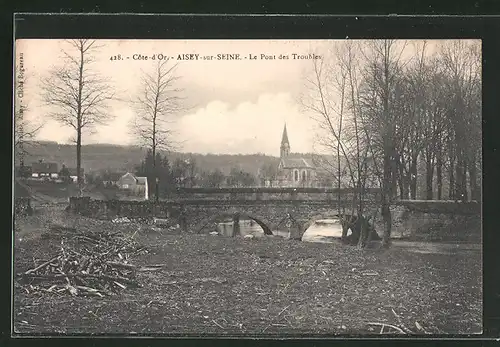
{"points": [[248, 127]]}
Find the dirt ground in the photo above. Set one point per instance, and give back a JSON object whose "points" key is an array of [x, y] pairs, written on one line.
{"points": [[214, 285]]}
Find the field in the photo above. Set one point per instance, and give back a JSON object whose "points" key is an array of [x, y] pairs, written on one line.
{"points": [[213, 285]]}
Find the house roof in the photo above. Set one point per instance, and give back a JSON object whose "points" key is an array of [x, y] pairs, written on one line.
{"points": [[139, 180], [288, 163], [128, 174], [142, 180], [44, 168]]}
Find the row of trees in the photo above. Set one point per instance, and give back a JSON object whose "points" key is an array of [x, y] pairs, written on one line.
{"points": [[387, 108]]}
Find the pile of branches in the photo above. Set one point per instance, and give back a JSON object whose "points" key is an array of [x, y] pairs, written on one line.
{"points": [[88, 263]]}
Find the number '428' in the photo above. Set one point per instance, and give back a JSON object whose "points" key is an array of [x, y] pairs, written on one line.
{"points": [[116, 57]]}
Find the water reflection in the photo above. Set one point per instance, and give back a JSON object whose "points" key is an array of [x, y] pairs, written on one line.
{"points": [[324, 230], [247, 227]]}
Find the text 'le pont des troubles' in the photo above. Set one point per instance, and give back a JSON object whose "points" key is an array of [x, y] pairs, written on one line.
{"points": [[221, 56]]}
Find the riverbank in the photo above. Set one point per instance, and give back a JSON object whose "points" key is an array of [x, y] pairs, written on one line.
{"points": [[235, 286]]}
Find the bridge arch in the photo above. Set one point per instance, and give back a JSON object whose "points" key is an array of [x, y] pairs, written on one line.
{"points": [[311, 221], [214, 220]]}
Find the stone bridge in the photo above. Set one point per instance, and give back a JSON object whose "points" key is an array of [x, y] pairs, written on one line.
{"points": [[290, 216], [199, 210]]}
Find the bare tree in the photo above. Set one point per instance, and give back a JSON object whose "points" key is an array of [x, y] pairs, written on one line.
{"points": [[383, 65], [328, 112], [461, 61], [155, 107], [77, 96], [384, 115], [334, 105]]}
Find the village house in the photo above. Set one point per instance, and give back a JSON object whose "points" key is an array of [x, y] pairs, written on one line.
{"points": [[135, 185], [44, 170]]}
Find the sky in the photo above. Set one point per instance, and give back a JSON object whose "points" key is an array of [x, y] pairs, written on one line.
{"points": [[232, 106]]}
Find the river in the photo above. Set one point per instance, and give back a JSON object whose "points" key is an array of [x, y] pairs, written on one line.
{"points": [[325, 230], [330, 230]]}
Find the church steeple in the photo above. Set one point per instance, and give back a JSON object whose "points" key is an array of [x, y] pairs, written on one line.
{"points": [[285, 145]]}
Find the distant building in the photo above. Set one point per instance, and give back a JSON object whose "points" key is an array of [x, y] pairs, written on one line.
{"points": [[293, 172], [137, 186], [44, 170], [73, 174]]}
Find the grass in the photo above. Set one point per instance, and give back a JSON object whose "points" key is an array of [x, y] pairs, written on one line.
{"points": [[265, 286]]}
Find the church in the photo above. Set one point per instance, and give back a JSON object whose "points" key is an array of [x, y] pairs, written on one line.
{"points": [[293, 171]]}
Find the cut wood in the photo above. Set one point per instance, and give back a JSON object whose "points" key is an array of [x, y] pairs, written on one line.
{"points": [[220, 326], [120, 285], [122, 265], [149, 269], [279, 314], [42, 265], [408, 331], [101, 276], [88, 259], [90, 290], [383, 325]]}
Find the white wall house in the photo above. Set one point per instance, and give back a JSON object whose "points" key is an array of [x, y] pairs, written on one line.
{"points": [[135, 185]]}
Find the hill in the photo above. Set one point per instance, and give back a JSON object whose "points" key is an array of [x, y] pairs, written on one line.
{"points": [[96, 157]]}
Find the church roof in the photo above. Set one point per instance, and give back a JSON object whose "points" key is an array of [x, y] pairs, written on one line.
{"points": [[288, 163], [284, 138]]}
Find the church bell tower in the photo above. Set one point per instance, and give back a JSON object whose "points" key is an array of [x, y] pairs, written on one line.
{"points": [[285, 145]]}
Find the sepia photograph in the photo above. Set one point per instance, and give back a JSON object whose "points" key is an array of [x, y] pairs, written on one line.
{"points": [[247, 187]]}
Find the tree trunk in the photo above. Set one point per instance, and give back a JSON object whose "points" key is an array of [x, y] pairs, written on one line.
{"points": [[452, 189], [386, 194], [429, 175], [388, 152], [236, 224], [386, 214], [79, 178], [439, 172], [345, 229], [413, 177], [362, 232], [459, 177], [401, 181], [473, 178], [464, 181], [155, 171], [338, 180], [79, 124]]}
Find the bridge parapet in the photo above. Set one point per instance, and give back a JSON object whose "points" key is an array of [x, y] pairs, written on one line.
{"points": [[262, 194]]}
